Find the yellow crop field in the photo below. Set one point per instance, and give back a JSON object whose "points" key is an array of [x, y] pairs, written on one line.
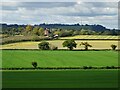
{"points": [[96, 44], [92, 37]]}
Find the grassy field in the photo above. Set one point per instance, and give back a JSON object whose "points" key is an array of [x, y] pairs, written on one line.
{"points": [[22, 58], [96, 44], [61, 79]]}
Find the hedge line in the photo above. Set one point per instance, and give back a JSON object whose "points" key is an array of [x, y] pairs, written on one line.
{"points": [[16, 39], [59, 68]]}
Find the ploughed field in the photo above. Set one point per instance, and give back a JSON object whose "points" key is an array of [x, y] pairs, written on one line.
{"points": [[24, 58], [61, 79]]}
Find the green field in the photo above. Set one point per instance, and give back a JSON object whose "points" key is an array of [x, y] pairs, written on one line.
{"points": [[23, 58], [61, 79]]}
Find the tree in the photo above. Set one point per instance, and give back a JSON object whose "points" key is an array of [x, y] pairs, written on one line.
{"points": [[21, 29], [86, 44], [36, 30], [76, 32], [70, 44], [56, 32], [41, 31], [84, 32], [65, 33], [113, 46], [34, 64], [28, 29], [44, 46], [107, 32]]}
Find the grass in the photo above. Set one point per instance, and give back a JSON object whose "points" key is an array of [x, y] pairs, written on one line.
{"points": [[23, 58], [96, 44], [61, 79]]}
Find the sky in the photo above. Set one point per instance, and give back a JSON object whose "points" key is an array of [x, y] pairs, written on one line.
{"points": [[34, 12]]}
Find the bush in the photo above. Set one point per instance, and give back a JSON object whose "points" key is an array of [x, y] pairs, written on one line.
{"points": [[113, 46], [85, 67], [108, 67], [14, 39], [34, 64], [52, 47]]}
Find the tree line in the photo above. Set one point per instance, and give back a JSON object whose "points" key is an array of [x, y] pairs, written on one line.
{"points": [[62, 30]]}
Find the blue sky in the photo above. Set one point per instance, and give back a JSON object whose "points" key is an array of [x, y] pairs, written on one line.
{"points": [[104, 13]]}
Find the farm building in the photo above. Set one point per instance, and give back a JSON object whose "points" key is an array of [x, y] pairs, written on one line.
{"points": [[46, 32]]}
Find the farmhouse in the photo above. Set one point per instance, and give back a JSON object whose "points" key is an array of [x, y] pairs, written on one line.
{"points": [[46, 32]]}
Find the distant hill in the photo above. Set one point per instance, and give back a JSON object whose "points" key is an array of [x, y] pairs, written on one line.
{"points": [[96, 28], [75, 27]]}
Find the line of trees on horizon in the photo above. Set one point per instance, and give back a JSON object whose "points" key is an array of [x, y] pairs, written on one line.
{"points": [[62, 30]]}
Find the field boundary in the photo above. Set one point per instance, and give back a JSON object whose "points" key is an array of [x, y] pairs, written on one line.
{"points": [[15, 39], [64, 50], [63, 68]]}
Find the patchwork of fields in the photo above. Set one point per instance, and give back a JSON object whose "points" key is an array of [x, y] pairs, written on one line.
{"points": [[61, 78], [23, 58]]}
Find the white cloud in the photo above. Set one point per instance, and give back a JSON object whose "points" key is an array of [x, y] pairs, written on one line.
{"points": [[60, 0], [9, 4], [35, 13]]}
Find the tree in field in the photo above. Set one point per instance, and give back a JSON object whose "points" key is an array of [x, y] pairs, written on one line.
{"points": [[44, 46], [86, 45], [70, 44], [34, 64], [113, 47]]}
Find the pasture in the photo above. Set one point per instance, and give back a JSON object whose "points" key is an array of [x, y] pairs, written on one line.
{"points": [[61, 79], [23, 58]]}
